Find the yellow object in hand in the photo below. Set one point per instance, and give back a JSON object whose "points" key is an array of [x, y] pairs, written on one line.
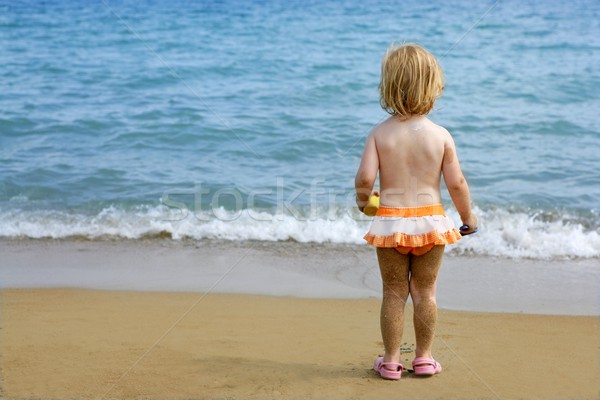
{"points": [[372, 206]]}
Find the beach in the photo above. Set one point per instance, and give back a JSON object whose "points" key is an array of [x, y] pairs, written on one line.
{"points": [[71, 339]]}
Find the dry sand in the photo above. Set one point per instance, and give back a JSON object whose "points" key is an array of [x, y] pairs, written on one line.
{"points": [[73, 343]]}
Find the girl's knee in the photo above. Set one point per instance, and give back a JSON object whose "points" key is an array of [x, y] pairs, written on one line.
{"points": [[419, 294], [398, 291], [428, 299]]}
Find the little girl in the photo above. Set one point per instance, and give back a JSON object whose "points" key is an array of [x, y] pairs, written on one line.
{"points": [[410, 229]]}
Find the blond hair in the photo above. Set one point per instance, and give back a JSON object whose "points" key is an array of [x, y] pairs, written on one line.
{"points": [[411, 80]]}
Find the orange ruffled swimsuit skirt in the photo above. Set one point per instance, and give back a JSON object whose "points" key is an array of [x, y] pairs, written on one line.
{"points": [[412, 229]]}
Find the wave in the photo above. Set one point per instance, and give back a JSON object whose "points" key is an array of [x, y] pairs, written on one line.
{"points": [[502, 232], [535, 234]]}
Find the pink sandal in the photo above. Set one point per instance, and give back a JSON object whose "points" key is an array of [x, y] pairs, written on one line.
{"points": [[426, 366], [387, 373]]}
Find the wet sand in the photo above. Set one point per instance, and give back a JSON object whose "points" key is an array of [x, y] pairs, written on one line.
{"points": [[465, 283]]}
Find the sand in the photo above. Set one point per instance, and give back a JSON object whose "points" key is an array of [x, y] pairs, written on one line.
{"points": [[72, 343], [183, 342], [568, 287]]}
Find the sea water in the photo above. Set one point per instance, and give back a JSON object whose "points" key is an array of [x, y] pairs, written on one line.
{"points": [[242, 120]]}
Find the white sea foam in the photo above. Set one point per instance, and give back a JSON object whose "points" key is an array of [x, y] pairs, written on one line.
{"points": [[501, 233], [523, 235]]}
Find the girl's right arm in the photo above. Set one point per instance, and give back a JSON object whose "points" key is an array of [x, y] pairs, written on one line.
{"points": [[457, 186], [367, 173]]}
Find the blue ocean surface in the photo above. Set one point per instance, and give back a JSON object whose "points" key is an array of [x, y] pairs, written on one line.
{"points": [[246, 120]]}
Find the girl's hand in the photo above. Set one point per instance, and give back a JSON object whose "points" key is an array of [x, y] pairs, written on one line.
{"points": [[469, 225], [361, 205]]}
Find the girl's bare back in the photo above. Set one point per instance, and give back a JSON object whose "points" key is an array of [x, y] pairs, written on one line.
{"points": [[411, 152]]}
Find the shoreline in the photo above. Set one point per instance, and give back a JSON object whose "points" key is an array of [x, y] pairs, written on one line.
{"points": [[290, 269], [88, 344]]}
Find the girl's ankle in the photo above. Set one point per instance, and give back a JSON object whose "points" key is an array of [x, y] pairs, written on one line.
{"points": [[391, 359]]}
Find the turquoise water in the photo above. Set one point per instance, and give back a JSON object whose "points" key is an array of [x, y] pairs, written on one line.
{"points": [[245, 120]]}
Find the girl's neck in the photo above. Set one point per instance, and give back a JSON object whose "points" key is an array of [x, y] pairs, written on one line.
{"points": [[412, 117]]}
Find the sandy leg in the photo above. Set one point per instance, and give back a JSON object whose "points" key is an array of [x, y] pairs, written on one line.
{"points": [[394, 269], [423, 276]]}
